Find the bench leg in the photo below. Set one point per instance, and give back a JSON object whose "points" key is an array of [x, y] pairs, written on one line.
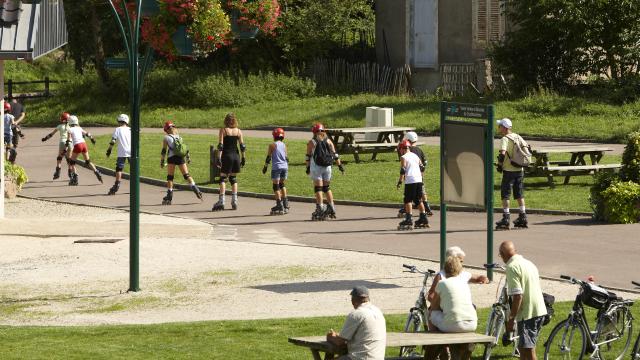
{"points": [[373, 157], [550, 180], [356, 156], [462, 351]]}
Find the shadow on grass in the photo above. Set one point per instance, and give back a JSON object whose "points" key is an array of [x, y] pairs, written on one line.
{"points": [[322, 286]]}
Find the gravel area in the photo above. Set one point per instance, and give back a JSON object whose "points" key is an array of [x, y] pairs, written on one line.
{"points": [[69, 265]]}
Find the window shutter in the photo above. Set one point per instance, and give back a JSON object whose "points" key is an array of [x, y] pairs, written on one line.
{"points": [[488, 22], [495, 21], [480, 22]]}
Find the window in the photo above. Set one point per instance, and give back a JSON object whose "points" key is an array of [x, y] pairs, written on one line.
{"points": [[488, 22]]}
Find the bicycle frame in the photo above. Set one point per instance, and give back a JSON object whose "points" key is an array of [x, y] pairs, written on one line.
{"points": [[501, 310], [418, 313]]}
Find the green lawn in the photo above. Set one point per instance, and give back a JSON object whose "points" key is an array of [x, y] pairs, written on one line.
{"points": [[380, 176], [254, 339]]}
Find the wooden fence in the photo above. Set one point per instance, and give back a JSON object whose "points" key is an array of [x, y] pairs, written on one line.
{"points": [[46, 92], [362, 77], [456, 78]]}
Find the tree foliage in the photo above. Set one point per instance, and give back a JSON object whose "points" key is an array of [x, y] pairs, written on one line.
{"points": [[551, 42]]}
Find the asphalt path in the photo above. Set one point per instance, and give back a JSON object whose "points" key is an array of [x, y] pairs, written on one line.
{"points": [[572, 245]]}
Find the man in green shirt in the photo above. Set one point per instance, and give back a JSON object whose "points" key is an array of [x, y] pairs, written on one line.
{"points": [[512, 177], [527, 308]]}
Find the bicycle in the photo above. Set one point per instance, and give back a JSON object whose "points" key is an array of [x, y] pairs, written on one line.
{"points": [[417, 318], [635, 353], [572, 338], [497, 321]]}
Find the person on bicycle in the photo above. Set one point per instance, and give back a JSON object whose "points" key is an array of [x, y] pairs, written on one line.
{"points": [[527, 308], [452, 308], [364, 332], [455, 251]]}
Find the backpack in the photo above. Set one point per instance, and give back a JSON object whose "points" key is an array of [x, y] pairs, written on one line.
{"points": [[322, 154], [521, 156], [179, 147]]}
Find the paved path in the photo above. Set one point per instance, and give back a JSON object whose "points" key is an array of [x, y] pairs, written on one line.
{"points": [[558, 244]]}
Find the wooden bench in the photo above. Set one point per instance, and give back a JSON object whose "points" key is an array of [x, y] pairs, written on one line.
{"points": [[584, 168], [374, 148], [542, 165]]}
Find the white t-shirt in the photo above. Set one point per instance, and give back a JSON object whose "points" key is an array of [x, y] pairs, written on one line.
{"points": [[122, 136], [455, 300], [63, 131], [170, 140], [76, 135], [365, 331], [412, 174], [465, 275]]}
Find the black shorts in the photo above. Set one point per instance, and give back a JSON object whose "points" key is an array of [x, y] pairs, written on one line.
{"points": [[511, 179], [230, 164], [176, 160], [413, 193]]}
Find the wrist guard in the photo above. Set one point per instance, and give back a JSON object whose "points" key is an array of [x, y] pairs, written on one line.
{"points": [[220, 146], [163, 152], [267, 160], [501, 158], [243, 147], [402, 171]]}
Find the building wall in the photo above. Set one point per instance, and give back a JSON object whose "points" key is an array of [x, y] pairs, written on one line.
{"points": [[392, 24]]}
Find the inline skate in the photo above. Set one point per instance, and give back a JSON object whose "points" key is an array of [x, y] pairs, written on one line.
{"points": [[504, 223], [218, 206], [406, 224], [427, 208], [521, 222], [56, 174], [401, 212], [279, 209], [73, 181], [422, 222], [197, 191], [168, 198], [330, 212], [114, 189], [98, 176], [318, 214], [285, 204]]}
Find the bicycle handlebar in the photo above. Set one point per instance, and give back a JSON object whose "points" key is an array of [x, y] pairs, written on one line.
{"points": [[635, 283], [413, 268], [494, 266], [565, 277]]}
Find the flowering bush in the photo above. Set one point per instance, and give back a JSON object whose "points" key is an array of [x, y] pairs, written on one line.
{"points": [[262, 14]]}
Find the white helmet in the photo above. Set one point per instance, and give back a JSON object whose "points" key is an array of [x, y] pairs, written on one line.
{"points": [[411, 136], [73, 120], [123, 118]]}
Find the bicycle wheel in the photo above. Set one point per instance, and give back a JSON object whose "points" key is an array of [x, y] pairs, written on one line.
{"points": [[495, 325], [614, 338], [635, 354], [415, 323], [567, 341]]}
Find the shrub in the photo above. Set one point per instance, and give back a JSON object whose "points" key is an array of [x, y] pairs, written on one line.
{"points": [[631, 159], [17, 173], [602, 182], [622, 202]]}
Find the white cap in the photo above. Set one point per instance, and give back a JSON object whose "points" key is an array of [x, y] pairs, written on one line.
{"points": [[123, 118], [411, 136], [506, 122]]}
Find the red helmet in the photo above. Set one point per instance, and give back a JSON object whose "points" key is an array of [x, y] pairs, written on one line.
{"points": [[168, 125], [7, 106], [64, 117], [404, 144], [316, 128], [278, 133]]}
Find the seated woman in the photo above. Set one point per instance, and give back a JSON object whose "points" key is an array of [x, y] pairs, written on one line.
{"points": [[455, 251], [452, 308]]}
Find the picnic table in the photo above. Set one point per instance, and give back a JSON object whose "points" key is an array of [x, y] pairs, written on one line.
{"points": [[351, 140], [319, 344], [577, 165]]}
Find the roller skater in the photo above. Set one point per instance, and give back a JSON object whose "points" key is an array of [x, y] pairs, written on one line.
{"points": [[321, 154], [230, 160], [9, 121], [122, 137], [177, 153], [412, 177], [512, 173], [19, 114], [277, 156], [63, 150], [503, 224], [412, 137], [76, 137]]}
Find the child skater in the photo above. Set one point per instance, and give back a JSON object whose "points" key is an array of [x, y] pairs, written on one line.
{"points": [[76, 138], [174, 149], [63, 150], [121, 136], [277, 155], [412, 177]]}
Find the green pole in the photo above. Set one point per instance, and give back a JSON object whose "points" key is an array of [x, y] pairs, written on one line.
{"points": [[489, 188], [443, 206]]}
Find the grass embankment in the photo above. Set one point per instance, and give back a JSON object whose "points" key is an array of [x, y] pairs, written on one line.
{"points": [[380, 176], [250, 339]]}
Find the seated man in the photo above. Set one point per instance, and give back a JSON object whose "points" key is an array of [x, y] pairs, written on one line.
{"points": [[452, 308], [364, 332]]}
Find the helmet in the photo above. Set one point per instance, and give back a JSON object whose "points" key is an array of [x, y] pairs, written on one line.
{"points": [[278, 133], [7, 106], [64, 117], [411, 136], [123, 118], [168, 125], [316, 128], [73, 120], [404, 144]]}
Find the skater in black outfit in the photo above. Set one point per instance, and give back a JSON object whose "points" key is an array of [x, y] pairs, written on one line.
{"points": [[230, 160], [174, 148], [413, 188], [512, 176]]}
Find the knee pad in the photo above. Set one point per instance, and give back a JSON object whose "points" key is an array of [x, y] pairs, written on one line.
{"points": [[118, 168], [232, 179], [59, 158], [13, 154], [317, 188], [169, 177], [275, 187], [71, 162], [186, 176], [281, 185], [68, 159], [223, 179], [325, 188], [87, 162]]}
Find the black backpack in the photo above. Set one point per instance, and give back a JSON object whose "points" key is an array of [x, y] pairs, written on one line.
{"points": [[322, 154]]}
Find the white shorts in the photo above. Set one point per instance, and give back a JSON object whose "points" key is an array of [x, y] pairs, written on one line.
{"points": [[318, 173], [437, 319]]}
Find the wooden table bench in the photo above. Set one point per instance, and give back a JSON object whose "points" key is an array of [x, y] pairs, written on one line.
{"points": [[319, 344], [577, 165], [347, 141]]}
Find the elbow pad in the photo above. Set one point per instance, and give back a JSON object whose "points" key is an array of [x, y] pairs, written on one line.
{"points": [[163, 152], [336, 156], [267, 160], [243, 147], [220, 146], [112, 142], [500, 157], [402, 171]]}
